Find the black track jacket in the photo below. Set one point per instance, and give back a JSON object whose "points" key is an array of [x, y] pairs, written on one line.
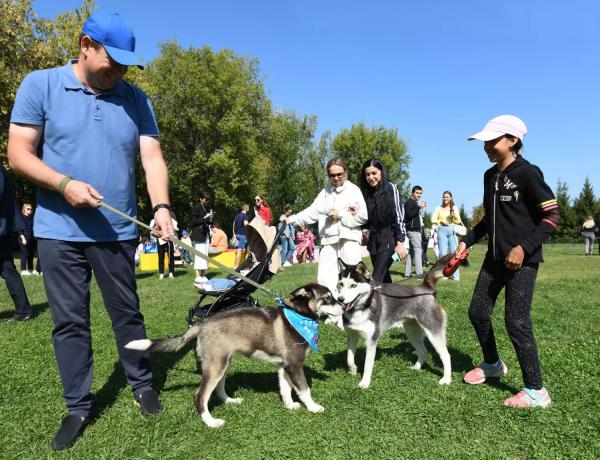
{"points": [[520, 209]]}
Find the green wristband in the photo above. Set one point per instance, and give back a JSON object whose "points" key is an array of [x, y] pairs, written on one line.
{"points": [[63, 183]]}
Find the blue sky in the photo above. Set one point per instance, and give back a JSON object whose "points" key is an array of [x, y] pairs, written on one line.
{"points": [[436, 70]]}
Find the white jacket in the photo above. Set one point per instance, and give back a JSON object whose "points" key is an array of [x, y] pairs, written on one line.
{"points": [[341, 198]]}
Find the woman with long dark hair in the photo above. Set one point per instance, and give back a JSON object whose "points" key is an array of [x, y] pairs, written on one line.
{"points": [[386, 218]]}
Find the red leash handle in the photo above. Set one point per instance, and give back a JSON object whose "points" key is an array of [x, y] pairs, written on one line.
{"points": [[454, 263]]}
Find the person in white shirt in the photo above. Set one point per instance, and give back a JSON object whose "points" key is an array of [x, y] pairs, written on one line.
{"points": [[340, 211]]}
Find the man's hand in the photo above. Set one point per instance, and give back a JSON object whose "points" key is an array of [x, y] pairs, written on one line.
{"points": [[401, 250], [334, 214], [79, 194], [23, 240], [423, 204], [163, 223], [514, 259], [460, 248]]}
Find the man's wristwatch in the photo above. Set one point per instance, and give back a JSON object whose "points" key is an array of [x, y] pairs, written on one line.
{"points": [[160, 206]]}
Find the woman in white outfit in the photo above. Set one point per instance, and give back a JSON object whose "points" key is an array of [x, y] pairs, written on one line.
{"points": [[340, 211]]}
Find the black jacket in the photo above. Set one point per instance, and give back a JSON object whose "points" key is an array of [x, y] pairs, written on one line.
{"points": [[520, 209], [10, 216], [200, 225], [385, 230], [412, 218]]}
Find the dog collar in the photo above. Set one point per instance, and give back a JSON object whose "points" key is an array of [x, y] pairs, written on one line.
{"points": [[307, 327]]}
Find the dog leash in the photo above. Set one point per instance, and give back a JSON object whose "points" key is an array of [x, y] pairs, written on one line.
{"points": [[178, 242]]}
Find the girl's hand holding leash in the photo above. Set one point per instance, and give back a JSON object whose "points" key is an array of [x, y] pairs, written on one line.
{"points": [[460, 249], [514, 259]]}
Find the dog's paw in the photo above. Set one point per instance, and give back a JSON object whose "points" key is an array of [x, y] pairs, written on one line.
{"points": [[417, 366], [214, 422], [364, 384], [234, 400], [445, 381], [315, 408], [293, 405], [352, 370]]}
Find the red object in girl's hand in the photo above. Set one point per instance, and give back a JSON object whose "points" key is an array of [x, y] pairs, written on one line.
{"points": [[454, 263]]}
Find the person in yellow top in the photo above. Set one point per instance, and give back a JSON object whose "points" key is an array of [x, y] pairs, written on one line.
{"points": [[218, 242], [446, 217]]}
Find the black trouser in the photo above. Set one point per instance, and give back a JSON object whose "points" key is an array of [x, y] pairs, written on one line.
{"points": [[382, 261], [27, 254], [162, 249], [519, 286], [13, 280], [68, 270]]}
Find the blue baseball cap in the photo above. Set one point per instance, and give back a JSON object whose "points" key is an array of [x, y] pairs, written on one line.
{"points": [[115, 35]]}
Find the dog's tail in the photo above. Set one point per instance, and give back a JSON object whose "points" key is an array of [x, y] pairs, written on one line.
{"points": [[436, 272], [169, 344]]}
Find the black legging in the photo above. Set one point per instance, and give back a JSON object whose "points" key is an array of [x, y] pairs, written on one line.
{"points": [[161, 257], [382, 262], [519, 286]]}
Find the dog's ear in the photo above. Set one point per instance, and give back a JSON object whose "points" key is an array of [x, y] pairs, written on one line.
{"points": [[300, 292], [363, 270], [302, 300], [341, 265]]}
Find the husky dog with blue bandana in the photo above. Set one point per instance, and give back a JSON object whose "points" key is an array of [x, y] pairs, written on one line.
{"points": [[279, 335]]}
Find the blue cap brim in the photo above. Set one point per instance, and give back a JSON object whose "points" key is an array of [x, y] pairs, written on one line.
{"points": [[123, 57]]}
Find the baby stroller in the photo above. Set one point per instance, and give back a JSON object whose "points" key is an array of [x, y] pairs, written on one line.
{"points": [[260, 265]]}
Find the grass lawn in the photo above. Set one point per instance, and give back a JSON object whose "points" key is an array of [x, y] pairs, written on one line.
{"points": [[404, 414]]}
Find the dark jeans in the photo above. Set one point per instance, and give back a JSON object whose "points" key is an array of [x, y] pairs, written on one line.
{"points": [[27, 254], [518, 287], [162, 249], [13, 280], [68, 270], [382, 261]]}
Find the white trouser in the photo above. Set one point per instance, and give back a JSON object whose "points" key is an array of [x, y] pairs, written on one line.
{"points": [[199, 262], [347, 250]]}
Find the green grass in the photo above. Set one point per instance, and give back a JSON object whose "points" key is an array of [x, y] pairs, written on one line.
{"points": [[404, 414]]}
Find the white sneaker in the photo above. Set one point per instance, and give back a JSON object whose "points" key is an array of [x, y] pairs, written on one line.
{"points": [[287, 264], [198, 279], [161, 276], [34, 272], [25, 273], [171, 275]]}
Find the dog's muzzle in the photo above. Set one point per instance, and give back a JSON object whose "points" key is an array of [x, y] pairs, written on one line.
{"points": [[345, 306]]}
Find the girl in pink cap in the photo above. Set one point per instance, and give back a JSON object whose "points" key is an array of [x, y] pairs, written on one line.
{"points": [[520, 212]]}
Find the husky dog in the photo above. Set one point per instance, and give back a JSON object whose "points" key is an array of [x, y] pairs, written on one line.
{"points": [[371, 310], [262, 333]]}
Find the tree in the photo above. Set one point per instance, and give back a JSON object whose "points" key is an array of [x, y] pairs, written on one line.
{"points": [[464, 217], [585, 204], [214, 118], [567, 227], [295, 167], [359, 143], [29, 43], [476, 216]]}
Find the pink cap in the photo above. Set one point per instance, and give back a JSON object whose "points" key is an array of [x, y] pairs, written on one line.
{"points": [[499, 126]]}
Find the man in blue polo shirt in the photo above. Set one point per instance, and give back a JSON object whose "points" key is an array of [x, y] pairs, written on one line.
{"points": [[76, 131]]}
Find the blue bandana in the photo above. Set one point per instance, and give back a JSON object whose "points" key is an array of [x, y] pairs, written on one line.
{"points": [[308, 328]]}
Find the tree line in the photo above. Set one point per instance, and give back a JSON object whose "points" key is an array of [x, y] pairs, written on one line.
{"points": [[219, 130]]}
